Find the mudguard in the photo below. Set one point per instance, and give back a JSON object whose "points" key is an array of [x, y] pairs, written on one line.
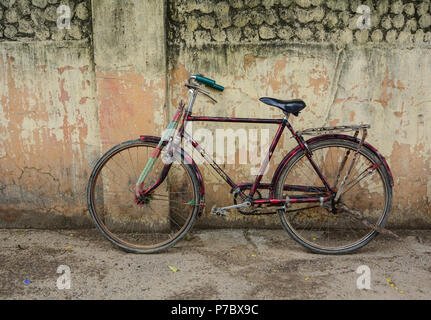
{"points": [[188, 160], [292, 153]]}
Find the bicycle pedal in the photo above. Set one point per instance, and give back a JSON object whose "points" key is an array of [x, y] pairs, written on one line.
{"points": [[218, 212]]}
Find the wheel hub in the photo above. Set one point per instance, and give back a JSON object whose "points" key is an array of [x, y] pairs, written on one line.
{"points": [[143, 199]]}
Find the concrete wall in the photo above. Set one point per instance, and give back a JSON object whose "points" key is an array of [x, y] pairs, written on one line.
{"points": [[261, 21], [23, 20], [49, 118], [130, 59], [313, 50], [65, 100], [50, 133]]}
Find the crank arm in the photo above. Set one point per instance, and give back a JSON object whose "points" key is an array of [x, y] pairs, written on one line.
{"points": [[222, 211]]}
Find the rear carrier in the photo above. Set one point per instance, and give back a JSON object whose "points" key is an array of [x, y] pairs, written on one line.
{"points": [[338, 129]]}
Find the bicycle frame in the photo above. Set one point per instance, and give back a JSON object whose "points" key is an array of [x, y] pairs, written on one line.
{"points": [[182, 199], [325, 194], [256, 185]]}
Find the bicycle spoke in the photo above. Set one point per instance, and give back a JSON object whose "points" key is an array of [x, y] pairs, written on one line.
{"points": [[162, 216], [323, 227], [358, 179]]}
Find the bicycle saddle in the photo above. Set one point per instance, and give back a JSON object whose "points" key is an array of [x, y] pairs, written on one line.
{"points": [[289, 106]]}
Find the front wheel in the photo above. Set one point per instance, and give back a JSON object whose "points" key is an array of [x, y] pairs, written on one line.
{"points": [[156, 221], [329, 229]]}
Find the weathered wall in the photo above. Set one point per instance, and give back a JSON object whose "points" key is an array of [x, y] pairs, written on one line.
{"points": [[130, 58], [65, 99], [49, 121], [313, 50], [23, 20], [49, 130], [259, 21], [67, 96]]}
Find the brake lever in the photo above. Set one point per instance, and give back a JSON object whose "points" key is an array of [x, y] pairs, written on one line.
{"points": [[192, 86]]}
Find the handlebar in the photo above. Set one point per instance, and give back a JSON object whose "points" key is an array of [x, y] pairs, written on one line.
{"points": [[208, 82]]}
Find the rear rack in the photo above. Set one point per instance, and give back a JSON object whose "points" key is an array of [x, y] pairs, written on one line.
{"points": [[329, 130]]}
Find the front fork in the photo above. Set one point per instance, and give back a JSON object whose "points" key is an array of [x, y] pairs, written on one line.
{"points": [[168, 135]]}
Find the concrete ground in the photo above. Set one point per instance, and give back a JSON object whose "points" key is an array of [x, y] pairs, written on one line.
{"points": [[216, 264]]}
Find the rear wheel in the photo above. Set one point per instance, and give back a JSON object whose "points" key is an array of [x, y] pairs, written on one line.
{"points": [[158, 221], [330, 229]]}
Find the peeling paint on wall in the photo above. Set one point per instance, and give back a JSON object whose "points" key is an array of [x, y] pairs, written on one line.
{"points": [[48, 137], [385, 87]]}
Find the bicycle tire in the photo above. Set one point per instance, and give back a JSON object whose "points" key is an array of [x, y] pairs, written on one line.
{"points": [[97, 214], [348, 145]]}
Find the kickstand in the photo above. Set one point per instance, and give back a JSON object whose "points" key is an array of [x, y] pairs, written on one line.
{"points": [[358, 215]]}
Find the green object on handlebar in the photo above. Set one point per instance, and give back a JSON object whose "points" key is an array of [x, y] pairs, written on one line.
{"points": [[218, 87], [209, 82]]}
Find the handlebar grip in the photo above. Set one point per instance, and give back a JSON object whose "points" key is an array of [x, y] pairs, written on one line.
{"points": [[218, 87], [209, 82]]}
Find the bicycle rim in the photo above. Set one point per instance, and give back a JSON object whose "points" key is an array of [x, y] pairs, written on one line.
{"points": [[158, 222], [320, 229]]}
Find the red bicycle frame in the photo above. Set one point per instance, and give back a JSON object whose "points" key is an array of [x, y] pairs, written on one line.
{"points": [[283, 123], [321, 194]]}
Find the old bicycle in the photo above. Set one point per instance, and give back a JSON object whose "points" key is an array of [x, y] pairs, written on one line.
{"points": [[332, 192]]}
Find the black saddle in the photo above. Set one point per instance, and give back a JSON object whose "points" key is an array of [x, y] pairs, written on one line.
{"points": [[289, 106]]}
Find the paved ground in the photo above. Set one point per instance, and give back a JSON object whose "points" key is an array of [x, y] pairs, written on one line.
{"points": [[218, 264]]}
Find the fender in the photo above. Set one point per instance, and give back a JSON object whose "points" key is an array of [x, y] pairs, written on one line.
{"points": [[292, 153], [188, 160]]}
